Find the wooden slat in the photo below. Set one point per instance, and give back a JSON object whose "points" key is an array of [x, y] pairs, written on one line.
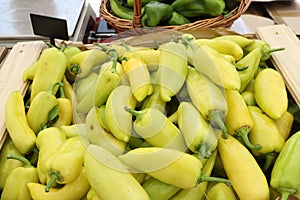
{"points": [[286, 61], [3, 52], [22, 55]]}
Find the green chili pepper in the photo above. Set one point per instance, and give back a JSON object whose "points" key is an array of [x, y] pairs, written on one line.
{"points": [[266, 133], [7, 166], [173, 68], [286, 168], [75, 189], [199, 8], [199, 136], [16, 184], [208, 98], [40, 109], [158, 190], [51, 69], [16, 123], [120, 10], [48, 141], [251, 60], [157, 129], [67, 162], [265, 48], [156, 13], [177, 19], [198, 192]]}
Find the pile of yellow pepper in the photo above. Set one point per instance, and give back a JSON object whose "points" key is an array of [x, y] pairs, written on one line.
{"points": [[190, 119]]}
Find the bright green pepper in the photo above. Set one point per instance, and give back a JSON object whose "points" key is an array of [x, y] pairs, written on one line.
{"points": [[158, 190], [48, 141], [286, 168], [173, 68], [121, 11], [157, 129], [177, 19], [51, 69], [266, 133], [199, 136], [16, 123], [16, 184], [264, 47], [74, 190], [208, 98], [7, 166], [40, 109], [67, 162], [156, 13], [199, 8]]}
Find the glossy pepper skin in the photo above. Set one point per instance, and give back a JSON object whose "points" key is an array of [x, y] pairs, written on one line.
{"points": [[152, 125], [51, 69], [286, 168], [242, 170], [67, 162], [221, 191], [102, 176], [17, 125], [39, 109], [74, 190], [270, 93], [238, 119], [177, 19], [168, 165], [156, 13], [28, 74], [196, 8], [8, 165], [173, 68], [15, 187], [48, 141], [239, 39], [120, 10]]}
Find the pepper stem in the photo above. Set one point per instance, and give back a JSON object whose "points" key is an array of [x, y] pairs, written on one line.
{"points": [[268, 51], [136, 113], [243, 133], [204, 150], [285, 193], [25, 161], [216, 119], [54, 177], [125, 45], [270, 159], [75, 68], [204, 178]]}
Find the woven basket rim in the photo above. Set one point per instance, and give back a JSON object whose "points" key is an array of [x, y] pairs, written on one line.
{"points": [[220, 21]]}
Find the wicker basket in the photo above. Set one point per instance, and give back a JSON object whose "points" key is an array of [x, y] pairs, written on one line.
{"points": [[123, 24]]}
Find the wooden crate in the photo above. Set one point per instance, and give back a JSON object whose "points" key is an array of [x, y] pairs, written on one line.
{"points": [[23, 54]]}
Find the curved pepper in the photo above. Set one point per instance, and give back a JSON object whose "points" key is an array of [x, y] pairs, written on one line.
{"points": [[239, 39], [7, 166], [156, 13], [286, 168], [173, 68], [120, 10], [208, 98], [74, 190], [102, 87], [221, 191], [177, 19], [199, 8], [99, 136], [103, 168], [15, 187], [266, 133], [238, 119], [28, 74], [118, 120], [168, 165], [41, 107], [270, 93], [245, 174], [82, 63], [48, 141], [65, 111], [198, 192], [198, 134], [16, 123], [67, 162], [157, 130], [51, 69]]}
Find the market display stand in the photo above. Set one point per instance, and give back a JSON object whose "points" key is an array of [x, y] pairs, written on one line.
{"points": [[24, 54]]}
